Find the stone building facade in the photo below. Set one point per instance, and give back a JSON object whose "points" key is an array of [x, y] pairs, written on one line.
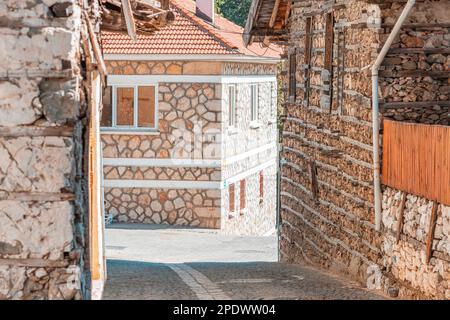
{"points": [[180, 168], [192, 153], [327, 212]]}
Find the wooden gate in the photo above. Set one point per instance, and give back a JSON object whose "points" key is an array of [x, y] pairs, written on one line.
{"points": [[416, 159]]}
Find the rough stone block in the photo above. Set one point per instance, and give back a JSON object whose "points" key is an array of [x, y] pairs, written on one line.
{"points": [[18, 102], [59, 100], [35, 230], [44, 50], [36, 164]]}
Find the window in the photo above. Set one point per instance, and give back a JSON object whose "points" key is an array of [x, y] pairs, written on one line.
{"points": [[329, 38], [308, 40], [329, 41], [254, 102], [125, 107], [292, 75], [231, 192], [232, 105], [242, 195], [129, 107], [308, 51]]}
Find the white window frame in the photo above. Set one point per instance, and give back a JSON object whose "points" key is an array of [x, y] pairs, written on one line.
{"points": [[254, 103], [134, 127], [232, 101]]}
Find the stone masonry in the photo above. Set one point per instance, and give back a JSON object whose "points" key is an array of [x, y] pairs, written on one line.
{"points": [[43, 182], [327, 215]]}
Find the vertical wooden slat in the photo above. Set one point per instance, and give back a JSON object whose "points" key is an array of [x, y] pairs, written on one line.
{"points": [[431, 229], [314, 182], [400, 216], [329, 39], [329, 45], [308, 42], [308, 47], [293, 76], [340, 71]]}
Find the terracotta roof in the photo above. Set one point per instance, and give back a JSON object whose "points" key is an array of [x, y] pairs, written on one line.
{"points": [[189, 34]]}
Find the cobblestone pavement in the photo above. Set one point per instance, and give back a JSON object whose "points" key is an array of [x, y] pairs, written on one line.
{"points": [[146, 262]]}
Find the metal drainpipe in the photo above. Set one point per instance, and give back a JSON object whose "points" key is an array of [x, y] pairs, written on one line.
{"points": [[375, 111]]}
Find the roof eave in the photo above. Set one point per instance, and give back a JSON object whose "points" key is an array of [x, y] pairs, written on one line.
{"points": [[192, 57], [252, 15]]}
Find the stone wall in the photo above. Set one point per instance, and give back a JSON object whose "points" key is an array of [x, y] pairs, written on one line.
{"points": [[406, 259], [416, 70], [43, 182], [182, 207], [126, 67], [327, 215]]}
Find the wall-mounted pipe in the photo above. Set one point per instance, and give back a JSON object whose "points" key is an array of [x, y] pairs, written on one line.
{"points": [[375, 111]]}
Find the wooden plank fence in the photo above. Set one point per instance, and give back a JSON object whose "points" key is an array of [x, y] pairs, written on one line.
{"points": [[416, 159]]}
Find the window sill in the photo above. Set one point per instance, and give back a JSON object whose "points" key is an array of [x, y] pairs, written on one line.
{"points": [[129, 132], [243, 212], [232, 131], [255, 125], [272, 121]]}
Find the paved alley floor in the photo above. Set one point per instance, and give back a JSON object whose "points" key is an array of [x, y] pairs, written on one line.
{"points": [[167, 263]]}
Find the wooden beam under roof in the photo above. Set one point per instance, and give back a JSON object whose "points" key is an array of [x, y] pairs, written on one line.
{"points": [[274, 15], [139, 17], [271, 15], [129, 19]]}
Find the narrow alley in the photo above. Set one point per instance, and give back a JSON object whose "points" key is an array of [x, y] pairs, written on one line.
{"points": [[160, 263], [224, 150]]}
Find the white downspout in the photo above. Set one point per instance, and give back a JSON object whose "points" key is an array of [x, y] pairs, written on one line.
{"points": [[375, 111]]}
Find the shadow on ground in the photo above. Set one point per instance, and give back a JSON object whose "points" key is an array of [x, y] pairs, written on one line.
{"points": [[139, 280]]}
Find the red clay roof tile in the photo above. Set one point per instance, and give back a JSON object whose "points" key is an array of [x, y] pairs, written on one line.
{"points": [[189, 34]]}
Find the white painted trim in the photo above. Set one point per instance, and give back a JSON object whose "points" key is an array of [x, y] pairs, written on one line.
{"points": [[270, 233], [146, 79], [247, 173], [141, 162], [249, 153], [184, 163], [248, 79], [128, 132], [133, 80], [180, 184], [162, 184], [190, 57]]}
